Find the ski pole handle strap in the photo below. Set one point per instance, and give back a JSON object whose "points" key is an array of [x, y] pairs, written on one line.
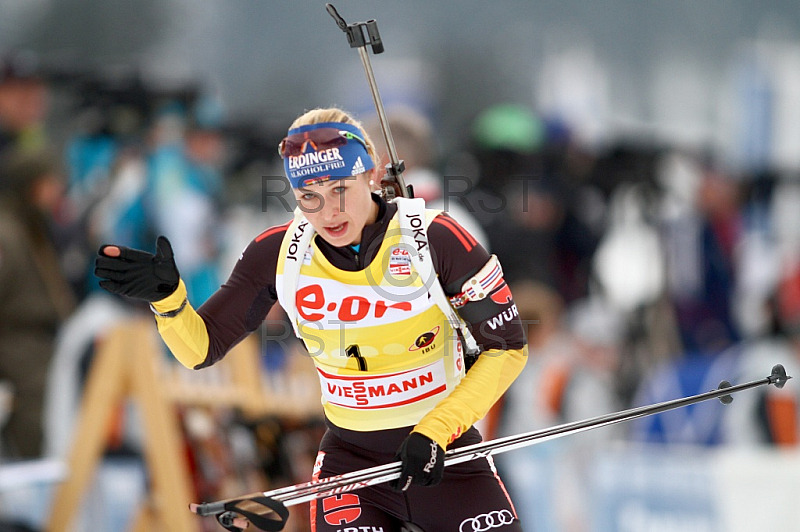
{"points": [[258, 520]]}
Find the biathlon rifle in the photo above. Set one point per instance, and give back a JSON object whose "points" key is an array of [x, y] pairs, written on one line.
{"points": [[360, 35]]}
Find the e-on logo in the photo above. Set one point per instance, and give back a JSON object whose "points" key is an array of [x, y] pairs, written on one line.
{"points": [[399, 261], [351, 308]]}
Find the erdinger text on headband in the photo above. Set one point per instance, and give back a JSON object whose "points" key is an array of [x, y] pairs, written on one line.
{"points": [[322, 152]]}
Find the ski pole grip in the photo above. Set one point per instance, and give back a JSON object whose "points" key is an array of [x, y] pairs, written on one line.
{"points": [[259, 519], [206, 509]]}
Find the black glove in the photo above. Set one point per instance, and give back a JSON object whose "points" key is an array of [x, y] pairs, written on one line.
{"points": [[423, 462], [138, 274]]}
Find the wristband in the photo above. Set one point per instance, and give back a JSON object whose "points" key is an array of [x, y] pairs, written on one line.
{"points": [[171, 313]]}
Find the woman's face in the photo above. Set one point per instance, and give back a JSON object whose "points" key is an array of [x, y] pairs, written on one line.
{"points": [[339, 210]]}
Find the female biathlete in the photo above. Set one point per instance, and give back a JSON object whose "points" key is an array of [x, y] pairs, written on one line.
{"points": [[403, 377]]}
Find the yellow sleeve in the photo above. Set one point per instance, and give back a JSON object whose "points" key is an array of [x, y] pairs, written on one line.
{"points": [[481, 387], [185, 334]]}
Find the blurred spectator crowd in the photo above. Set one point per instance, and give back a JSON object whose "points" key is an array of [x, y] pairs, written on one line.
{"points": [[644, 272]]}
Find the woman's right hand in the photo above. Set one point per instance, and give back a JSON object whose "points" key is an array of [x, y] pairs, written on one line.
{"points": [[138, 274], [422, 462]]}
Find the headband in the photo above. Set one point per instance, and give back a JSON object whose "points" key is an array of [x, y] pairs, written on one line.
{"points": [[322, 152]]}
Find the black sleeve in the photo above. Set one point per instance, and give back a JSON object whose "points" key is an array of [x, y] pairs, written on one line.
{"points": [[242, 303], [494, 320]]}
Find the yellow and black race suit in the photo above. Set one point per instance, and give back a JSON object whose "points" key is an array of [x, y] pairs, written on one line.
{"points": [[386, 356]]}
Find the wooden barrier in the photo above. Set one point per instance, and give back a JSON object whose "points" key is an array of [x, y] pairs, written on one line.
{"points": [[130, 364]]}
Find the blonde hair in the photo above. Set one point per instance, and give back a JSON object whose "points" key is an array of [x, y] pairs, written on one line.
{"points": [[334, 114]]}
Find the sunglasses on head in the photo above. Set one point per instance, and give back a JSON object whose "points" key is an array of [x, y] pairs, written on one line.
{"points": [[318, 139]]}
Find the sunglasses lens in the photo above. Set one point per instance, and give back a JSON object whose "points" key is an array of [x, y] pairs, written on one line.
{"points": [[318, 139]]}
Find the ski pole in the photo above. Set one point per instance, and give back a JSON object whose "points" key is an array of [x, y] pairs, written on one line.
{"points": [[279, 499], [393, 183]]}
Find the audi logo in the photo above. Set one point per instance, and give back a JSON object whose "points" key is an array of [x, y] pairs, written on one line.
{"points": [[483, 522]]}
